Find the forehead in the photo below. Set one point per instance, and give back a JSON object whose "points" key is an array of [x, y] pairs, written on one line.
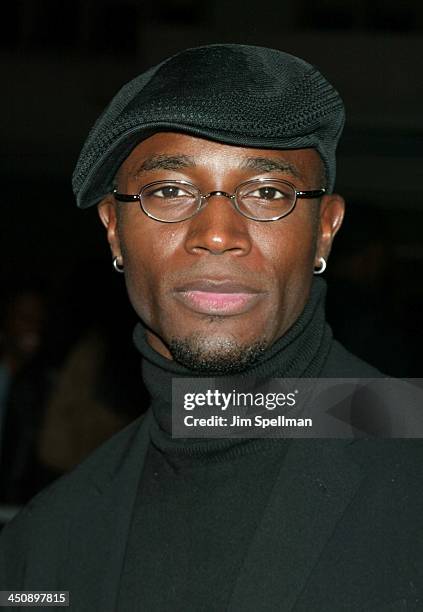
{"points": [[173, 150]]}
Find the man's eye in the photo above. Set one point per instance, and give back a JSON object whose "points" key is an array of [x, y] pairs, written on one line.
{"points": [[169, 191], [169, 195], [267, 193]]}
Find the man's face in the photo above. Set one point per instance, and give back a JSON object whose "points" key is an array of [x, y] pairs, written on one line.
{"points": [[217, 289]]}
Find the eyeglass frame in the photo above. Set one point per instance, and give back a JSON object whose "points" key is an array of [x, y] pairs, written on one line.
{"points": [[308, 194]]}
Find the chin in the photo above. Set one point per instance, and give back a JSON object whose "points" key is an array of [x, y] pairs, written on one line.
{"points": [[215, 354]]}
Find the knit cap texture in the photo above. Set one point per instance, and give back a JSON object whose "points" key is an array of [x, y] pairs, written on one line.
{"points": [[235, 94]]}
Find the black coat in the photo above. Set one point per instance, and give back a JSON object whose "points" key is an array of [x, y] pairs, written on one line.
{"points": [[343, 530]]}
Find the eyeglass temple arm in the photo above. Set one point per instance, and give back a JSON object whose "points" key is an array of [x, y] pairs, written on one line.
{"points": [[124, 197], [316, 193]]}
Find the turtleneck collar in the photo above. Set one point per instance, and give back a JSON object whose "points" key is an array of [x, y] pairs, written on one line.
{"points": [[300, 352]]}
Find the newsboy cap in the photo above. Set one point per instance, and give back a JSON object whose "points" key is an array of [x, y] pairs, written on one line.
{"points": [[235, 94]]}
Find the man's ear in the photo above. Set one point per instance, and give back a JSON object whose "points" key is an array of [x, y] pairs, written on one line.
{"points": [[108, 214], [332, 209]]}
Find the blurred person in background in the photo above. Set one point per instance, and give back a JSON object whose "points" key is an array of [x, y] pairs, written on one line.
{"points": [[98, 388], [25, 382]]}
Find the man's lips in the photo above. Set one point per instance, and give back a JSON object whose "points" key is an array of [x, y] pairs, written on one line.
{"points": [[213, 297]]}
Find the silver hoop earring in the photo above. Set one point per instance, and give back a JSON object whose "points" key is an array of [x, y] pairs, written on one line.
{"points": [[322, 268], [118, 267]]}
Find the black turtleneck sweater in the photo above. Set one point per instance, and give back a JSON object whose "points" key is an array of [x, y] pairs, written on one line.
{"points": [[200, 501]]}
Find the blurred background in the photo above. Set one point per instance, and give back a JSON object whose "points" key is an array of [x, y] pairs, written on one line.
{"points": [[69, 376]]}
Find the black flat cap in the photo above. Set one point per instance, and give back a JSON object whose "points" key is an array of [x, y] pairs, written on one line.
{"points": [[236, 94]]}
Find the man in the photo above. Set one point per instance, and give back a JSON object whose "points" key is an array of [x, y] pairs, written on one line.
{"points": [[214, 174]]}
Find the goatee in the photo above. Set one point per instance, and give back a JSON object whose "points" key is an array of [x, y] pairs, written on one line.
{"points": [[222, 356]]}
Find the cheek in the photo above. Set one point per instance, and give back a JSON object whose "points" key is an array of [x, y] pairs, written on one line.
{"points": [[146, 250], [288, 256], [288, 249]]}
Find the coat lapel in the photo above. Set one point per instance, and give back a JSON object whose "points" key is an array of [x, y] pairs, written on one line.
{"points": [[99, 532], [316, 483]]}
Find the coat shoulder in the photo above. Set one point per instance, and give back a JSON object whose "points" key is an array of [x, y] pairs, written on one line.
{"points": [[43, 524], [101, 463]]}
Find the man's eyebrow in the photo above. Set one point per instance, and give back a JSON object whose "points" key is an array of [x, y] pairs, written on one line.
{"points": [[174, 162], [270, 164], [163, 162]]}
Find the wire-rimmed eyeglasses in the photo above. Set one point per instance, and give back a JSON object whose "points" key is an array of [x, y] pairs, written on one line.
{"points": [[263, 199]]}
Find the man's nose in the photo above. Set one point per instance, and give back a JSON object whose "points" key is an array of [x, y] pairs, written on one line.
{"points": [[218, 228]]}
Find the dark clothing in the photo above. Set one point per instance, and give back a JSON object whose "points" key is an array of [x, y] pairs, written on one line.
{"points": [[192, 526], [341, 531], [153, 523]]}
